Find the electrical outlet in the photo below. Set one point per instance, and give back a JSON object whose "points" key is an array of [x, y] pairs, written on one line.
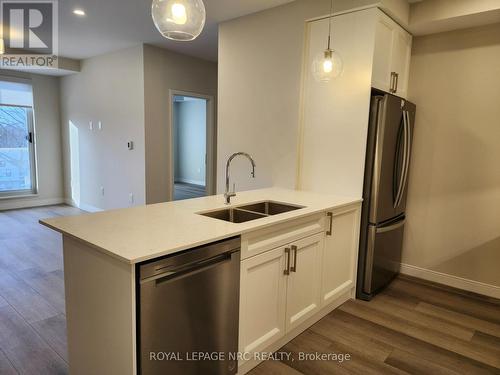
{"points": [[131, 198], [102, 191]]}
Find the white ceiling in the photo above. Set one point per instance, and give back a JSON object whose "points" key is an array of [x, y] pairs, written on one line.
{"points": [[115, 24]]}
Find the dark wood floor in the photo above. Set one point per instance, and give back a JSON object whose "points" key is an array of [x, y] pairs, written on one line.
{"points": [[412, 327], [32, 311]]}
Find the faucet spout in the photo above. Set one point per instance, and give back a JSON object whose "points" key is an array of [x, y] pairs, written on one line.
{"points": [[228, 194]]}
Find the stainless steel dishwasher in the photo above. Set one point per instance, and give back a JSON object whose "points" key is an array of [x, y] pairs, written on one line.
{"points": [[188, 306]]}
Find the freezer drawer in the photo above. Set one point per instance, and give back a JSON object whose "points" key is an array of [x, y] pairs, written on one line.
{"points": [[383, 255]]}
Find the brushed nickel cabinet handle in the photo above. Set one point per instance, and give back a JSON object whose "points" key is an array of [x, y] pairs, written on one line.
{"points": [[394, 82], [294, 267], [287, 269], [329, 232]]}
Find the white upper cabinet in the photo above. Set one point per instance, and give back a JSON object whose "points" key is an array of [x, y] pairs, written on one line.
{"points": [[334, 115], [382, 61], [401, 56], [391, 61]]}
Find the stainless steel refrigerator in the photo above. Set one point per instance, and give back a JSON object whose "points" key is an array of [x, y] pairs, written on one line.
{"points": [[389, 146]]}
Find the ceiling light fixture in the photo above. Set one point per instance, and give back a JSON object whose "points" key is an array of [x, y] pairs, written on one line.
{"points": [[79, 12], [181, 20], [327, 64]]}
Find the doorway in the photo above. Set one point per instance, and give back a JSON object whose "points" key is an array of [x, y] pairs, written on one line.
{"points": [[192, 145]]}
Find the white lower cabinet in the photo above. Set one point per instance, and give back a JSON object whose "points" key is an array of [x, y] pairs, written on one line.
{"points": [[279, 289], [303, 291], [340, 254], [262, 300], [283, 289]]}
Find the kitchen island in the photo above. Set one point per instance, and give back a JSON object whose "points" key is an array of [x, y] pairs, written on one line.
{"points": [[103, 250]]}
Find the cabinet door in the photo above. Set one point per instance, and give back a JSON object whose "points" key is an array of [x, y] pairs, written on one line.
{"points": [[392, 55], [382, 59], [340, 255], [262, 300], [401, 56], [304, 281]]}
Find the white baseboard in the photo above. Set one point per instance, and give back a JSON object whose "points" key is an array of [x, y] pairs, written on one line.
{"points": [[450, 280], [28, 202], [83, 206]]}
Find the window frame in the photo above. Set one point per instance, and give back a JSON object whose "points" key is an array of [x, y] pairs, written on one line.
{"points": [[33, 191]]}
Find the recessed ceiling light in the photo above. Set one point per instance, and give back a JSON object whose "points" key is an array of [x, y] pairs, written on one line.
{"points": [[79, 12]]}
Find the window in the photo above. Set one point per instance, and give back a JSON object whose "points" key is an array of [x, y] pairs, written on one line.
{"points": [[17, 152]]}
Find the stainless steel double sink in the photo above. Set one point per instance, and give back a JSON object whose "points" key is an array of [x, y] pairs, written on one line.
{"points": [[251, 211]]}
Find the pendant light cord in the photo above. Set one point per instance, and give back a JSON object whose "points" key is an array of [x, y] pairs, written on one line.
{"points": [[330, 24]]}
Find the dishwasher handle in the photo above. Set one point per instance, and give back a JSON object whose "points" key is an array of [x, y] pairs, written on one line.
{"points": [[188, 269]]}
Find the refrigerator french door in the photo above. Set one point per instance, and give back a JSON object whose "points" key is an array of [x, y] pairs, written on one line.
{"points": [[389, 147]]}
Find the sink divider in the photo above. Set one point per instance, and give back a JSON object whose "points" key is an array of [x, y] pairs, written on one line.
{"points": [[252, 212]]}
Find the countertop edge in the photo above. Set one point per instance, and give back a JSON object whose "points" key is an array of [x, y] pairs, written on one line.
{"points": [[133, 261], [90, 244], [238, 233]]}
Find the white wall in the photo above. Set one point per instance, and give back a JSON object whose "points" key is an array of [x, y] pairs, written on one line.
{"points": [[110, 89], [163, 71], [260, 60], [454, 187], [48, 143], [128, 91], [190, 141]]}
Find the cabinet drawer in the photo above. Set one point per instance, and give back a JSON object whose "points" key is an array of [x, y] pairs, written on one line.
{"points": [[257, 242]]}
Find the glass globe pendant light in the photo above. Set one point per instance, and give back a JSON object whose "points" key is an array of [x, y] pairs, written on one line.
{"points": [[179, 19], [327, 64]]}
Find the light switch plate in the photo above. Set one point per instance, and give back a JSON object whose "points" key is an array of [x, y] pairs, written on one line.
{"points": [[99, 124], [91, 125]]}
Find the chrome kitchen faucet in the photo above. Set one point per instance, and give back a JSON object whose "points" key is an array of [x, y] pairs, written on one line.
{"points": [[228, 194]]}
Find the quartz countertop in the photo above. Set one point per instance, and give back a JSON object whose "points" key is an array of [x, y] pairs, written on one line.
{"points": [[142, 233]]}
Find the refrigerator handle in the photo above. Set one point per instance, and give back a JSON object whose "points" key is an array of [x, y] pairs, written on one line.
{"points": [[375, 173], [403, 165], [407, 165]]}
